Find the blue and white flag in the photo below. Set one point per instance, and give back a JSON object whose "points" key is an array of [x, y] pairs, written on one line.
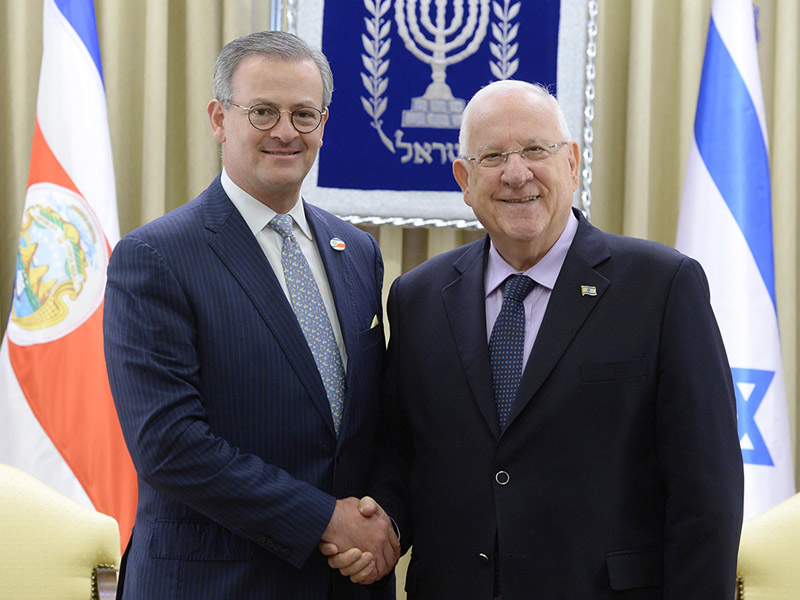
{"points": [[726, 224], [403, 72]]}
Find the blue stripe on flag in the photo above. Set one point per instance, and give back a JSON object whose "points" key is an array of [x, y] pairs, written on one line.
{"points": [[80, 14], [732, 146]]}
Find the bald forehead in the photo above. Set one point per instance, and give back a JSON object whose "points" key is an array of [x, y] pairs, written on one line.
{"points": [[527, 110], [494, 101]]}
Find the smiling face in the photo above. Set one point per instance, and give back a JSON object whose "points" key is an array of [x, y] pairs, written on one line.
{"points": [[269, 165], [523, 206]]}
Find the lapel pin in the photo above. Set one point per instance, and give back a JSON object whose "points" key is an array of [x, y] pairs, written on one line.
{"points": [[588, 290], [338, 244]]}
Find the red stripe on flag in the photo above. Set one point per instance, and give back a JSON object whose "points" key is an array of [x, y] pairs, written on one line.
{"points": [[45, 166], [66, 385]]}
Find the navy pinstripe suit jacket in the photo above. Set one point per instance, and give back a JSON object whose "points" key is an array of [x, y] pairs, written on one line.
{"points": [[224, 411]]}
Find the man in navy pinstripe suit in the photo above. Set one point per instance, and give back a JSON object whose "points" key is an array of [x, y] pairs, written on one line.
{"points": [[241, 470]]}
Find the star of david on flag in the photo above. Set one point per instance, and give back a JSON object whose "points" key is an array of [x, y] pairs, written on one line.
{"points": [[750, 386], [726, 224]]}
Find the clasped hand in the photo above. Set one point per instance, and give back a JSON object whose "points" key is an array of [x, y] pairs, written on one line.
{"points": [[360, 541]]}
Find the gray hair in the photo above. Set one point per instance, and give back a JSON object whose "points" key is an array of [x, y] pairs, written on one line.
{"points": [[507, 86], [277, 45]]}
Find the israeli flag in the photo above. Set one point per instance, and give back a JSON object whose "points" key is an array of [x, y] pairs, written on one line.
{"points": [[726, 224]]}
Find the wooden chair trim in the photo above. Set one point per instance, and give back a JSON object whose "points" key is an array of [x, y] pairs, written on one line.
{"points": [[104, 582]]}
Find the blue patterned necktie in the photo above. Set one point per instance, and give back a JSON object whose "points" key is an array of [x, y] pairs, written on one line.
{"points": [[506, 344], [311, 314]]}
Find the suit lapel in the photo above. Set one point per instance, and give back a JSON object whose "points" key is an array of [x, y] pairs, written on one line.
{"points": [[338, 267], [465, 305], [567, 310], [234, 244]]}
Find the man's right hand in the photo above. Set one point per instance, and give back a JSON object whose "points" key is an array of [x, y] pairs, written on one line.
{"points": [[360, 540]]}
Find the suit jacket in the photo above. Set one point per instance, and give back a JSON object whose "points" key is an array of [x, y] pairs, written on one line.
{"points": [[619, 473], [224, 411]]}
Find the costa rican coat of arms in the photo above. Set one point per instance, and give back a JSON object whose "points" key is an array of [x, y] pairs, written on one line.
{"points": [[61, 261]]}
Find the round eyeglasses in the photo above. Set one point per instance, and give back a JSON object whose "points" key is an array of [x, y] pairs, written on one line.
{"points": [[530, 154], [265, 116]]}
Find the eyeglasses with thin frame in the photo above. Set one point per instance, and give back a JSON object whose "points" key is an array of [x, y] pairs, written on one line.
{"points": [[535, 153], [265, 116]]}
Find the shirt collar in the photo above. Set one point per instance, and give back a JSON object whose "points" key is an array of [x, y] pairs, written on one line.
{"points": [[256, 214], [545, 272]]}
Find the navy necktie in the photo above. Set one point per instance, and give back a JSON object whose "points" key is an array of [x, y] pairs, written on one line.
{"points": [[312, 316], [507, 343]]}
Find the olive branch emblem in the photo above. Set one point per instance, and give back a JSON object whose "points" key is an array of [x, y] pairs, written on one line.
{"points": [[376, 46], [505, 33]]}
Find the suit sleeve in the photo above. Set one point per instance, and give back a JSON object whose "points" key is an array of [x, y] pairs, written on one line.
{"points": [[698, 445], [394, 448], [154, 372]]}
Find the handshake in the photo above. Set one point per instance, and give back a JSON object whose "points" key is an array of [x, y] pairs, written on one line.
{"points": [[360, 540]]}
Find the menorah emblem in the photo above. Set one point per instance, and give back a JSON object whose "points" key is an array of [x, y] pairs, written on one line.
{"points": [[437, 107]]}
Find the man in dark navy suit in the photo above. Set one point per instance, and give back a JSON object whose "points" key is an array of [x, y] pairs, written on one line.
{"points": [[244, 342], [560, 416]]}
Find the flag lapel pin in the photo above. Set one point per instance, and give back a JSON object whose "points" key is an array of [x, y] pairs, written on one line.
{"points": [[338, 244], [588, 290]]}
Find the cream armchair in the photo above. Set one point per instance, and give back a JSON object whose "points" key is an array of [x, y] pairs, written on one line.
{"points": [[51, 547], [769, 554]]}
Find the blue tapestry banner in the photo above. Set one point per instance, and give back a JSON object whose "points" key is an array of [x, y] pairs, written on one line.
{"points": [[403, 71]]}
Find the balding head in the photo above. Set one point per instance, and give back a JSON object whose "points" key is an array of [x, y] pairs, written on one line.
{"points": [[498, 88]]}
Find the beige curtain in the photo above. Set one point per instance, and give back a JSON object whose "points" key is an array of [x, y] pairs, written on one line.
{"points": [[158, 57]]}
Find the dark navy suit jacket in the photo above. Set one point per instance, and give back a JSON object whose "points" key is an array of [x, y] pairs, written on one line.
{"points": [[622, 468], [224, 411]]}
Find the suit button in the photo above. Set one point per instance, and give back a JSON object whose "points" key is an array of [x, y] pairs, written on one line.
{"points": [[502, 477], [261, 539], [483, 558]]}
